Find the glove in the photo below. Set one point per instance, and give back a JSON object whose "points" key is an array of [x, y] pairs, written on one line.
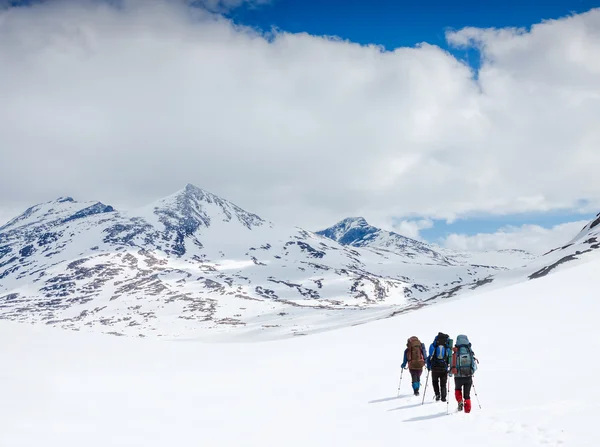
{"points": [[403, 366]]}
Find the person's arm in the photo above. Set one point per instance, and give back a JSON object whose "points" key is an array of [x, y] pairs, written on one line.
{"points": [[405, 359], [428, 358], [452, 365]]}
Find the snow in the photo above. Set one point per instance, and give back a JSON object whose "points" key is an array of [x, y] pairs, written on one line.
{"points": [[535, 379]]}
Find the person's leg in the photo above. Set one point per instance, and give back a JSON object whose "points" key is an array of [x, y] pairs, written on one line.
{"points": [[435, 377], [415, 375], [458, 384], [467, 387], [443, 385]]}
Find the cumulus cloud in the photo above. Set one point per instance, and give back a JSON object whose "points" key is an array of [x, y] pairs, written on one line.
{"points": [[412, 228], [533, 238], [128, 103]]}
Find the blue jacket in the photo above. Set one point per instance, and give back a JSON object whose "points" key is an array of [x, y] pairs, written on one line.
{"points": [[405, 360], [431, 351]]}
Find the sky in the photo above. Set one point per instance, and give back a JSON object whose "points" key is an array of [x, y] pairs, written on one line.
{"points": [[471, 124]]}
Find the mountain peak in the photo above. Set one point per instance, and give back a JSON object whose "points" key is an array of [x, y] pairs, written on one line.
{"points": [[194, 190], [63, 209], [191, 208], [349, 231], [360, 221], [357, 232]]}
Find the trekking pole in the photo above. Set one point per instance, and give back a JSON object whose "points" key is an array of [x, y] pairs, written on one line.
{"points": [[425, 390], [448, 395], [400, 383], [476, 396]]}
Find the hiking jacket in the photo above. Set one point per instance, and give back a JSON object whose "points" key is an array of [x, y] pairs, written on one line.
{"points": [[405, 360]]}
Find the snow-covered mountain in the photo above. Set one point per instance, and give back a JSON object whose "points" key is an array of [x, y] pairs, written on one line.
{"points": [[194, 261], [356, 232]]}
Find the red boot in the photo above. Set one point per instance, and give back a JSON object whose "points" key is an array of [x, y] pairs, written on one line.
{"points": [[468, 406], [458, 395]]}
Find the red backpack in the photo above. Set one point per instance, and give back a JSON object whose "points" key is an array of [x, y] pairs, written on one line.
{"points": [[415, 353]]}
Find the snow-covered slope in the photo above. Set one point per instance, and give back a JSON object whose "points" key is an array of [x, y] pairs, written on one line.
{"points": [[194, 261], [357, 232], [582, 248], [331, 389]]}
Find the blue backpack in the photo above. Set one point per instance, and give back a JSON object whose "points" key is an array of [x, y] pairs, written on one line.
{"points": [[464, 362], [439, 358]]}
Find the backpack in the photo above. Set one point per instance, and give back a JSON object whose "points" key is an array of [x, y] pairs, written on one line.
{"points": [[415, 353], [439, 358], [463, 360]]}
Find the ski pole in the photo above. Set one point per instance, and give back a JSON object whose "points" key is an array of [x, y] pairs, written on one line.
{"points": [[425, 390], [400, 383], [476, 396]]}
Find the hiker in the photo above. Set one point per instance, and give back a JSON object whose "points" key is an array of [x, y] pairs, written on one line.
{"points": [[437, 362], [463, 366], [415, 356]]}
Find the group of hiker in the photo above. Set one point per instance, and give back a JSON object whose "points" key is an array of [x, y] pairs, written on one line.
{"points": [[443, 360]]}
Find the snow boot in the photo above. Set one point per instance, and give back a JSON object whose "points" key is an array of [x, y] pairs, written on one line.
{"points": [[416, 386], [443, 398], [467, 405], [437, 397], [458, 396]]}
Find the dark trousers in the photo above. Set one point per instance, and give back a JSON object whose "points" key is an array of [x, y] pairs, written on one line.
{"points": [[440, 383], [464, 384], [415, 375]]}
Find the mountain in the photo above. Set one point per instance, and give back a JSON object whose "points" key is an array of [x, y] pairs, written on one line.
{"points": [[356, 232], [193, 262], [340, 388], [584, 242]]}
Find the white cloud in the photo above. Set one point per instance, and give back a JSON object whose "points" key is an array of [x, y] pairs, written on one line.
{"points": [[126, 104], [412, 228], [533, 238]]}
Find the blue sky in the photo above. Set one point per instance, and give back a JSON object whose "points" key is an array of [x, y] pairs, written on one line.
{"points": [[490, 224], [397, 23], [393, 24]]}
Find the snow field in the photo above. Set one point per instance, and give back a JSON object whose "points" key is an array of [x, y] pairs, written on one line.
{"points": [[535, 381]]}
